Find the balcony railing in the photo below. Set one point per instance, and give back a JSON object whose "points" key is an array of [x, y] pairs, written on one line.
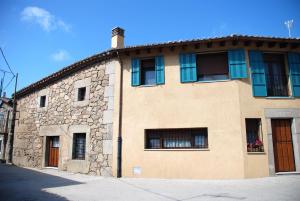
{"points": [[277, 85]]}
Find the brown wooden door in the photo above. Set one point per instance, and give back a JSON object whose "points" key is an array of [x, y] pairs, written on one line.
{"points": [[53, 151], [283, 145]]}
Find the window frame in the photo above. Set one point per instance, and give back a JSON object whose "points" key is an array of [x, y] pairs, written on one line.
{"points": [[142, 82], [258, 145], [74, 146], [213, 52], [187, 134], [42, 101], [286, 73], [80, 96]]}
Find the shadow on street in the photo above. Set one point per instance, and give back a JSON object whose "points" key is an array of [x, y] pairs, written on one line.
{"points": [[20, 184]]}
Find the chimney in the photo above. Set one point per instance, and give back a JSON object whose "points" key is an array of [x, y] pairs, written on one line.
{"points": [[117, 38]]}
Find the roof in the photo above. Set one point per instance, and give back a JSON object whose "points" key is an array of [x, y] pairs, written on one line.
{"points": [[110, 53], [6, 100]]}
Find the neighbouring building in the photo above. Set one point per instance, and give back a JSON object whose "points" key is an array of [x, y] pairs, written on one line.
{"points": [[225, 107], [5, 125]]}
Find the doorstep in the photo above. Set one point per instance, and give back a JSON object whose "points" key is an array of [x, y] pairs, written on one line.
{"points": [[287, 173], [49, 167]]}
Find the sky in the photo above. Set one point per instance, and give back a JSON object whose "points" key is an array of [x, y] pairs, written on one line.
{"points": [[41, 37]]}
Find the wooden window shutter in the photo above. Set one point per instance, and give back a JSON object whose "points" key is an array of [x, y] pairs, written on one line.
{"points": [[159, 70], [135, 72], [188, 68], [237, 64], [258, 76], [294, 70]]}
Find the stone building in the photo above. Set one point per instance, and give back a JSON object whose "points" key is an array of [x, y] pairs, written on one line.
{"points": [[202, 108]]}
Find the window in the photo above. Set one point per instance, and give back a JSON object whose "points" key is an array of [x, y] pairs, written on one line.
{"points": [[43, 101], [79, 146], [148, 72], [192, 138], [81, 93], [254, 135], [276, 76], [55, 142], [212, 66]]}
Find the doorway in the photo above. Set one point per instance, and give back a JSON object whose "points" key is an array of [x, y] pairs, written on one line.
{"points": [[283, 145], [52, 153]]}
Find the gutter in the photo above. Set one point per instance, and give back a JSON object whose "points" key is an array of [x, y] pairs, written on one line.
{"points": [[119, 151]]}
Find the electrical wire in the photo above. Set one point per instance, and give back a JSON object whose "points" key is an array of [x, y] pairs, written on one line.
{"points": [[6, 61], [9, 82]]}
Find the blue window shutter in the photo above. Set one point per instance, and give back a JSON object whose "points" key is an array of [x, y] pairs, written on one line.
{"points": [[188, 69], [237, 64], [135, 72], [159, 70], [258, 73], [294, 68]]}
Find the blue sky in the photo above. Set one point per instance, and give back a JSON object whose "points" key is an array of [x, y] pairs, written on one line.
{"points": [[41, 37]]}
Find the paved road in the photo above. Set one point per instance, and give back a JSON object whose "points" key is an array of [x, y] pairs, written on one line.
{"points": [[22, 184]]}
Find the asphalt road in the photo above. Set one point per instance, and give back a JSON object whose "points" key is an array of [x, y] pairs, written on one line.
{"points": [[23, 184]]}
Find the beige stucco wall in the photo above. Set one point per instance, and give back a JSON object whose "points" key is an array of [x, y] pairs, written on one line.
{"points": [[220, 106]]}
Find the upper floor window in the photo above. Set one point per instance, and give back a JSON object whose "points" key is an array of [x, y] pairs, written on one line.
{"points": [[276, 75], [195, 138], [212, 66], [42, 101], [148, 71], [81, 93], [271, 76]]}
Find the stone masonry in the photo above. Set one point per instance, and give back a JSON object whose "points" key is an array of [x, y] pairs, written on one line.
{"points": [[62, 110]]}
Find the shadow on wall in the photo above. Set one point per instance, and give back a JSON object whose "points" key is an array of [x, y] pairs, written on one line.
{"points": [[20, 184]]}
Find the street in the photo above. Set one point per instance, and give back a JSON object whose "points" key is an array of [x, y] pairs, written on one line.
{"points": [[23, 184]]}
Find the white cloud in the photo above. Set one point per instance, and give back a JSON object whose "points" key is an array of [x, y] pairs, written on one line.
{"points": [[61, 55], [44, 18]]}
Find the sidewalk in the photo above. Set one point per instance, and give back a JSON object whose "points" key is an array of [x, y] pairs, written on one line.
{"points": [[23, 184]]}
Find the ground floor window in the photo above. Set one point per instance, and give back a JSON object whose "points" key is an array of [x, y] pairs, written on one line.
{"points": [[254, 135], [182, 138], [79, 146]]}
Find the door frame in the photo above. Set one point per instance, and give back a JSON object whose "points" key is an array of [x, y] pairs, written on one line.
{"points": [[47, 149], [294, 115], [276, 149]]}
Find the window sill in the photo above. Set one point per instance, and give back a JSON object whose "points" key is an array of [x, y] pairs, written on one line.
{"points": [[205, 149], [256, 153], [280, 97], [149, 85], [209, 81]]}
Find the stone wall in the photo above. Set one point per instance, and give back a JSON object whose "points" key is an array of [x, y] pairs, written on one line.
{"points": [[63, 111]]}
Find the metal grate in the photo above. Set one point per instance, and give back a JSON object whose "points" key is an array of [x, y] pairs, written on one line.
{"points": [[186, 138], [79, 146]]}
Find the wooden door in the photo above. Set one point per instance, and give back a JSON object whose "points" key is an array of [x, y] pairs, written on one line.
{"points": [[53, 151], [283, 145]]}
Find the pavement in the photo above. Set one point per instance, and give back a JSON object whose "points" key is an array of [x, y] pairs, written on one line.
{"points": [[24, 184]]}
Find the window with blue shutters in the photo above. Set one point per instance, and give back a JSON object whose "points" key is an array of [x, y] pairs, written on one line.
{"points": [[269, 74], [148, 71], [294, 70]]}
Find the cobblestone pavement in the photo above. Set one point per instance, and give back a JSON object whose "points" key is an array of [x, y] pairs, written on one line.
{"points": [[23, 184]]}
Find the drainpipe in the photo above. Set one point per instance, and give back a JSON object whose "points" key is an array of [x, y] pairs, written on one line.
{"points": [[119, 153]]}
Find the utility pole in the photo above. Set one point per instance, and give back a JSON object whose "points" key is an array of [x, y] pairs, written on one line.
{"points": [[12, 128]]}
